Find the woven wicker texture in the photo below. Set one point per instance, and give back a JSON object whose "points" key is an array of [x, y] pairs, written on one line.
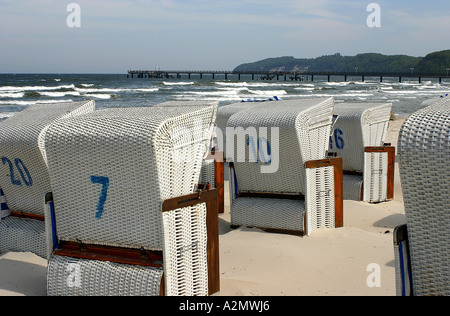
{"points": [[375, 177], [23, 235], [81, 277], [353, 184], [268, 213], [304, 130], [424, 150], [359, 125], [24, 178], [223, 115], [111, 170], [207, 173], [185, 242], [320, 199]]}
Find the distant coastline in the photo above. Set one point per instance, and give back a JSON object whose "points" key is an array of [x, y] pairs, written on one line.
{"points": [[437, 63]]}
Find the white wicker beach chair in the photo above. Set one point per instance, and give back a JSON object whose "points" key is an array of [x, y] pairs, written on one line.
{"points": [[127, 219], [24, 178], [283, 178], [359, 138], [223, 115], [421, 246], [212, 173]]}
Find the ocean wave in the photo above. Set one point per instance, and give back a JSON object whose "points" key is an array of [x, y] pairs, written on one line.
{"points": [[211, 93], [59, 94], [7, 114], [327, 95], [26, 103], [340, 84], [181, 83], [261, 84], [146, 90], [12, 95], [236, 92], [35, 88], [99, 96], [268, 92], [114, 90], [232, 84]]}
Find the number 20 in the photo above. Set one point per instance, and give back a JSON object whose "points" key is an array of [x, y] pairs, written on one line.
{"points": [[23, 171]]}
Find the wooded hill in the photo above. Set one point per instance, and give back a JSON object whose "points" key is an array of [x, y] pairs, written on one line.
{"points": [[435, 63]]}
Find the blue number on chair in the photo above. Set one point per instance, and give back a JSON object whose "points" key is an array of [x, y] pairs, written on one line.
{"points": [[338, 139], [261, 152], [23, 171], [251, 143], [104, 181], [14, 181]]}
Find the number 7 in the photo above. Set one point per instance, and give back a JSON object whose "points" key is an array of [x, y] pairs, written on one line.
{"points": [[104, 181]]}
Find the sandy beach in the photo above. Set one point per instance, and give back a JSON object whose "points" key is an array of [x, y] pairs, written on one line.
{"points": [[256, 263]]}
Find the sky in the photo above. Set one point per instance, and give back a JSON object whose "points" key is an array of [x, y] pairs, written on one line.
{"points": [[113, 36]]}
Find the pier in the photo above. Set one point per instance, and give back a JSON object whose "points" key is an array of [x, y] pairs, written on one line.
{"points": [[276, 75]]}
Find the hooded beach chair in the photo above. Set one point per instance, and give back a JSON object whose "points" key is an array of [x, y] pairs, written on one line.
{"points": [[223, 115], [24, 178], [284, 180], [359, 138], [212, 173], [422, 251], [127, 218]]}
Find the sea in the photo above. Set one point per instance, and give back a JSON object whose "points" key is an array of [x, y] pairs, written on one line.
{"points": [[18, 91]]}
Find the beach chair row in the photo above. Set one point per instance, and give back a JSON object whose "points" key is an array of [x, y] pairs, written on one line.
{"points": [[105, 175], [128, 196], [111, 197], [358, 137]]}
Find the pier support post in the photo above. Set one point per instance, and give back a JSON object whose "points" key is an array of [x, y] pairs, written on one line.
{"points": [[400, 79], [363, 77], [381, 78]]}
